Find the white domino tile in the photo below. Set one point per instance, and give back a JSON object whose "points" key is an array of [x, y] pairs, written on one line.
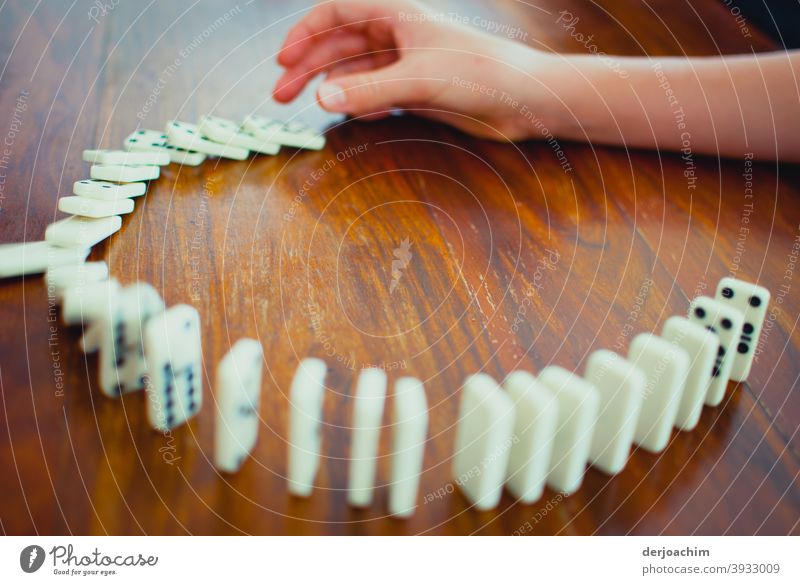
{"points": [[726, 321], [88, 207], [752, 301], [155, 141], [367, 416], [293, 134], [125, 157], [535, 429], [409, 430], [38, 257], [306, 397], [666, 366], [88, 303], [228, 132], [90, 340], [81, 232], [121, 362], [484, 438], [173, 356], [702, 346], [238, 396], [578, 402], [124, 174], [189, 136], [104, 190], [620, 386], [61, 278]]}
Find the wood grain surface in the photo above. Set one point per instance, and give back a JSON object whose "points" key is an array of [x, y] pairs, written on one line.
{"points": [[516, 263]]}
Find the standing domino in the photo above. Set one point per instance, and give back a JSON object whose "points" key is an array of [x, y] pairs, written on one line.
{"points": [[292, 134], [666, 366], [81, 232], [409, 429], [37, 257], [367, 415], [124, 174], [189, 136], [578, 401], [702, 346], [88, 207], [484, 438], [238, 399], [620, 386], [305, 425], [227, 132], [752, 301], [122, 364], [535, 428], [88, 303], [61, 278], [107, 191], [124, 157], [154, 141], [726, 322], [173, 356]]}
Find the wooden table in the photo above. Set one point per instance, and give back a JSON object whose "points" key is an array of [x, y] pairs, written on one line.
{"points": [[516, 263]]}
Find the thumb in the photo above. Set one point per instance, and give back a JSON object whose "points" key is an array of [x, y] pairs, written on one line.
{"points": [[368, 91]]}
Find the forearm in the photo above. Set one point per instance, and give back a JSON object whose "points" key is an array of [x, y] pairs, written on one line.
{"points": [[727, 106]]}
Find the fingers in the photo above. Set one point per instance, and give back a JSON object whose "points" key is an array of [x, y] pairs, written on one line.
{"points": [[368, 91], [330, 52], [353, 15]]}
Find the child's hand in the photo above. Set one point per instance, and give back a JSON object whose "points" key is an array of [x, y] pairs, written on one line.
{"points": [[400, 54]]}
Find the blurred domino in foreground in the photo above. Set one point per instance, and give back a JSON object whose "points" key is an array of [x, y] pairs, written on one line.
{"points": [[84, 232], [173, 357], [726, 322], [61, 278], [126, 158], [367, 416], [484, 438], [87, 303], [88, 207], [37, 257], [305, 425], [578, 401], [701, 345], [666, 366], [535, 428], [107, 191], [752, 301], [238, 399], [124, 174], [121, 364], [409, 430], [189, 136], [228, 132], [293, 134], [155, 141], [620, 386]]}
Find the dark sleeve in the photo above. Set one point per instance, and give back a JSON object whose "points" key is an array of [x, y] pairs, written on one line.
{"points": [[779, 19]]}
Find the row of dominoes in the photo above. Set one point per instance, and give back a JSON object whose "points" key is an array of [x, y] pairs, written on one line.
{"points": [[537, 431], [119, 176]]}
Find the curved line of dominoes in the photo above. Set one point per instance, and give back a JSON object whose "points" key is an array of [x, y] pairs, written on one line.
{"points": [[527, 433]]}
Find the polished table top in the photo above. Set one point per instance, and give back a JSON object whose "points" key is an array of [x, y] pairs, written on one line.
{"points": [[516, 261]]}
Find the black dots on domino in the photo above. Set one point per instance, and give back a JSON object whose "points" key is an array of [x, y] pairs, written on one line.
{"points": [[700, 312], [755, 301], [743, 347], [726, 323]]}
